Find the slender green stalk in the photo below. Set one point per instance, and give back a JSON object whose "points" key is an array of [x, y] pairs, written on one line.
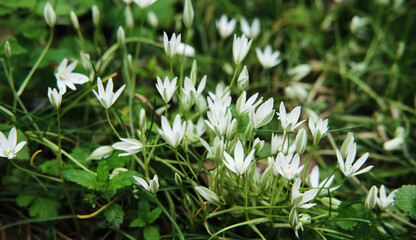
{"points": [[111, 124], [175, 225], [35, 173], [32, 71], [183, 59]]}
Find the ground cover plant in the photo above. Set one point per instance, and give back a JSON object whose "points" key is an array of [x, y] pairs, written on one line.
{"points": [[145, 119]]}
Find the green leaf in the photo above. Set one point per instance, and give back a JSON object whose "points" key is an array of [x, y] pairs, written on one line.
{"points": [[143, 209], [81, 177], [151, 233], [114, 214], [23, 200], [153, 215], [50, 167], [405, 199], [44, 208], [102, 175], [122, 179], [80, 153], [138, 222], [347, 210]]}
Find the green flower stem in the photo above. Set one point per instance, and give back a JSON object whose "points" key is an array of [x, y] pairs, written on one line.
{"points": [[107, 56], [111, 124], [32, 71], [246, 189], [308, 161], [131, 84], [327, 179], [60, 165], [35, 173], [236, 71], [175, 225], [9, 77], [187, 163], [250, 222], [171, 66], [54, 147], [81, 40], [183, 59]]}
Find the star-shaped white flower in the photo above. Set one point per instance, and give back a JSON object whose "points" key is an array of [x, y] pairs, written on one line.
{"points": [[55, 97], [171, 46], [173, 135], [167, 88], [107, 97], [252, 31], [225, 27], [319, 129], [9, 146], [66, 78], [313, 181], [385, 201], [347, 168], [239, 164], [241, 45], [263, 115], [268, 58], [300, 200], [287, 166], [130, 145], [242, 107], [289, 121], [152, 186]]}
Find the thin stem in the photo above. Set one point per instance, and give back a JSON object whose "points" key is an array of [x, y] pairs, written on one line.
{"points": [[111, 124], [34, 173], [32, 71], [183, 58]]}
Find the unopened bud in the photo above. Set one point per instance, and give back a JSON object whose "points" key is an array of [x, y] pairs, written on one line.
{"points": [[74, 20], [188, 14], [371, 199], [95, 15], [331, 201], [249, 131], [301, 141], [258, 145], [129, 17], [194, 72], [7, 49], [178, 180], [207, 194], [121, 38], [142, 119], [349, 140], [243, 79], [49, 14], [101, 152], [152, 19], [86, 61]]}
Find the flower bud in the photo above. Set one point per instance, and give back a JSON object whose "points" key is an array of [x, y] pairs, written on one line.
{"points": [[249, 131], [188, 200], [55, 97], [293, 218], [95, 15], [86, 61], [142, 119], [349, 140], [194, 72], [49, 14], [188, 14], [231, 129], [129, 17], [371, 199], [130, 63], [74, 20], [397, 142], [121, 38], [178, 180], [116, 171], [207, 194], [243, 78], [258, 145], [301, 141], [299, 72], [218, 149], [7, 49], [296, 92], [333, 201], [152, 19], [100, 153]]}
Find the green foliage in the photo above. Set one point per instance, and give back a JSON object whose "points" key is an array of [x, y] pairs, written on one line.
{"points": [[114, 214], [23, 200], [122, 179], [151, 233], [81, 177], [50, 167], [349, 212], [405, 199], [44, 207]]}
